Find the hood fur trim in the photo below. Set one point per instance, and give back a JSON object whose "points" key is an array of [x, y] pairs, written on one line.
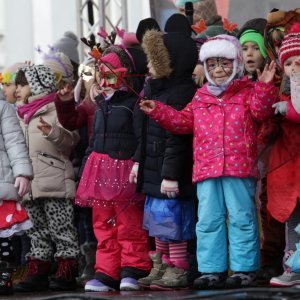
{"points": [[157, 53]]}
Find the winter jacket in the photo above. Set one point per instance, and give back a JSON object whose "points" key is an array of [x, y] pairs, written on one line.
{"points": [[224, 128], [53, 171], [113, 129], [284, 167], [74, 117], [14, 159], [162, 155]]}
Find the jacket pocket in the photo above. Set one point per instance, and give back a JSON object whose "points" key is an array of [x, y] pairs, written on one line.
{"points": [[50, 173]]}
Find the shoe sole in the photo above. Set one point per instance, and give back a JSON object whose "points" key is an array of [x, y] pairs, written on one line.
{"points": [[155, 287], [278, 284], [90, 288]]}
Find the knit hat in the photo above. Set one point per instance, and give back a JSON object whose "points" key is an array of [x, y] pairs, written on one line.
{"points": [[61, 66], [253, 31], [9, 74], [223, 45], [290, 45], [40, 78], [145, 25], [181, 3], [251, 35], [112, 59], [67, 44], [178, 23]]}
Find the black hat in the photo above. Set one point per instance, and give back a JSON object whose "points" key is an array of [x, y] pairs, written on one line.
{"points": [[144, 25], [178, 23]]}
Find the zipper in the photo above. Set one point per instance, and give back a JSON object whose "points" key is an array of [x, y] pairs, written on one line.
{"points": [[27, 143]]}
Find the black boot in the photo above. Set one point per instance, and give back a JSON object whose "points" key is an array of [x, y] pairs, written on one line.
{"points": [[65, 277], [36, 278], [6, 287]]}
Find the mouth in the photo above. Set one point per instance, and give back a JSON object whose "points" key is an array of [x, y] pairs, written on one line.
{"points": [[250, 62]]}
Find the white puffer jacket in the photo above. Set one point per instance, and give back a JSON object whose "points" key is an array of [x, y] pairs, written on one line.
{"points": [[14, 158]]}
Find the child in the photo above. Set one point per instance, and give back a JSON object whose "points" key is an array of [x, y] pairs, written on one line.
{"points": [[122, 250], [16, 171], [49, 201], [164, 161], [8, 82], [222, 116], [283, 177], [251, 37]]}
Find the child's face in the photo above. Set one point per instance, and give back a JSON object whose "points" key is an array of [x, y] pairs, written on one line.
{"points": [[290, 66], [252, 57], [151, 69], [9, 90], [23, 93], [219, 69]]}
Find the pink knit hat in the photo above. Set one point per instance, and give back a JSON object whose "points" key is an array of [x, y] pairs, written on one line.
{"points": [[112, 59], [290, 45]]}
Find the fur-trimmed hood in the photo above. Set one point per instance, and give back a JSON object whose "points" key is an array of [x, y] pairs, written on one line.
{"points": [[173, 55]]}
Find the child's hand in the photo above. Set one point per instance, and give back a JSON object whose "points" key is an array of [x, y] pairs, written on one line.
{"points": [[22, 184], [170, 188], [280, 107], [66, 93], [147, 106], [268, 73], [44, 127]]}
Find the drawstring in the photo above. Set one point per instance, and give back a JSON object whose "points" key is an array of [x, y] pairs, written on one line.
{"points": [[112, 221]]}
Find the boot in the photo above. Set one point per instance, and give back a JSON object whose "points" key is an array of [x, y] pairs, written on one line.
{"points": [[65, 277], [89, 252], [158, 269], [175, 277], [6, 287], [36, 278]]}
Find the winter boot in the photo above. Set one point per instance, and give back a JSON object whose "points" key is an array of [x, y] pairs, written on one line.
{"points": [[89, 252], [157, 271], [175, 277], [36, 278], [65, 276], [241, 279], [6, 287], [210, 281]]}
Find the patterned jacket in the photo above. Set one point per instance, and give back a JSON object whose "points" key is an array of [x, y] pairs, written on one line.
{"points": [[224, 128]]}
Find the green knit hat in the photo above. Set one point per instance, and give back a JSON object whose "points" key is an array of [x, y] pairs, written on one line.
{"points": [[253, 36], [181, 3]]}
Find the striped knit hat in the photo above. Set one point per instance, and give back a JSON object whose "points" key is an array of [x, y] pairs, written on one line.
{"points": [[290, 45]]}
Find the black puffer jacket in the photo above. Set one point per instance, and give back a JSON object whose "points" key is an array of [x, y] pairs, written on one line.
{"points": [[160, 154], [113, 130]]}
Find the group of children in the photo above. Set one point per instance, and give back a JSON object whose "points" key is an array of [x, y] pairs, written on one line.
{"points": [[156, 144]]}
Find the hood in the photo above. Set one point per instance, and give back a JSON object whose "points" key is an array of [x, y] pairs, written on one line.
{"points": [[173, 55]]}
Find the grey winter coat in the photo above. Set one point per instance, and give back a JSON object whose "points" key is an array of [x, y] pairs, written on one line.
{"points": [[14, 158]]}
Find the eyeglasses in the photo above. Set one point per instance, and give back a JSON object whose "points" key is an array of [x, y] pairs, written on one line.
{"points": [[224, 63]]}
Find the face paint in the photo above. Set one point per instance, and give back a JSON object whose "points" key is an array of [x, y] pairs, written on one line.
{"points": [[112, 78]]}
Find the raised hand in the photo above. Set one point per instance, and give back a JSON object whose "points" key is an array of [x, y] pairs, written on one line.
{"points": [[147, 106], [44, 126], [268, 73]]}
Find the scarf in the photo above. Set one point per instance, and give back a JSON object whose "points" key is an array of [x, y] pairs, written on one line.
{"points": [[26, 111], [217, 90]]}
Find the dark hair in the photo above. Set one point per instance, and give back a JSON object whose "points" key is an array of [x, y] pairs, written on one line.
{"points": [[21, 78]]}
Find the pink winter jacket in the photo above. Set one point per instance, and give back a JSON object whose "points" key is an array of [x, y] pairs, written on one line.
{"points": [[224, 128]]}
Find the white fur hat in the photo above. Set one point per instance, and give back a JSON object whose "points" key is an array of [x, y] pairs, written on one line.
{"points": [[223, 45]]}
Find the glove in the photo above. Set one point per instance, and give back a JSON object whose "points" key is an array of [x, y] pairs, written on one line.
{"points": [[280, 107], [134, 173], [22, 184], [170, 188]]}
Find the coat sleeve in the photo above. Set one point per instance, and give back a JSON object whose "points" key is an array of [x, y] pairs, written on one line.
{"points": [[263, 96], [63, 139], [70, 116], [176, 122], [14, 143]]}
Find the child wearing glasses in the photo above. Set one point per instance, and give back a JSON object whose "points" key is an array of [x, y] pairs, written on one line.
{"points": [[223, 117]]}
